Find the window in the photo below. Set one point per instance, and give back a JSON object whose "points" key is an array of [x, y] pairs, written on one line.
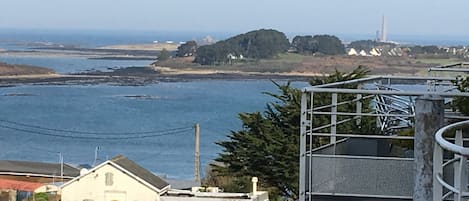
{"points": [[109, 179]]}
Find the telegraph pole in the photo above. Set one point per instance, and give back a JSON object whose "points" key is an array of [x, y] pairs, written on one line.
{"points": [[61, 158], [197, 154]]}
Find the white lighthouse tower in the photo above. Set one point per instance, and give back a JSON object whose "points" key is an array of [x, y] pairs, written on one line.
{"points": [[383, 30]]}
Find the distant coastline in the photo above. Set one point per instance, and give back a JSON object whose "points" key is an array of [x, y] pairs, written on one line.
{"points": [[140, 76], [285, 66]]}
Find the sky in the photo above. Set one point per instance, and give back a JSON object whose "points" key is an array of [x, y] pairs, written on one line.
{"points": [[404, 17]]}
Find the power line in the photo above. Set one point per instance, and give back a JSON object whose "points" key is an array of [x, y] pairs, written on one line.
{"points": [[174, 132], [87, 132]]}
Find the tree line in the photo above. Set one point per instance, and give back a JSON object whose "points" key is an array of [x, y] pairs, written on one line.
{"points": [[268, 43], [259, 44]]}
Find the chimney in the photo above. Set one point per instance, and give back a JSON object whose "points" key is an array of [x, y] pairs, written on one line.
{"points": [[254, 185]]}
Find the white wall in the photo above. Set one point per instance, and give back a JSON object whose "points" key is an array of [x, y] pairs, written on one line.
{"points": [[92, 188]]}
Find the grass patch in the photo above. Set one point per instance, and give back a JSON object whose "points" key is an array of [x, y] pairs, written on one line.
{"points": [[438, 61], [283, 63]]}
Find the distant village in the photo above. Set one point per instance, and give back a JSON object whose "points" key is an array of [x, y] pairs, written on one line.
{"points": [[394, 49], [382, 47]]}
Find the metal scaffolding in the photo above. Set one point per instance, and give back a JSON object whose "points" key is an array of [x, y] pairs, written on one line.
{"points": [[363, 164]]}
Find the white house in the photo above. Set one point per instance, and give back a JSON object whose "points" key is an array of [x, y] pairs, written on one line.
{"points": [[118, 179], [363, 53], [375, 52], [352, 52]]}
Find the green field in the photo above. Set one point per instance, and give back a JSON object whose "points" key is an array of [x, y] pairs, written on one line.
{"points": [[439, 61]]}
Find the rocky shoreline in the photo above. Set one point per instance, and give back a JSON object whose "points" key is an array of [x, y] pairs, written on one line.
{"points": [[137, 76]]}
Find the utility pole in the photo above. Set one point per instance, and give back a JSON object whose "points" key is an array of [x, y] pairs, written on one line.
{"points": [[197, 154], [61, 158]]}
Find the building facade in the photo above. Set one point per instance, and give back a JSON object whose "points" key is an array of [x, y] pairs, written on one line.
{"points": [[118, 179]]}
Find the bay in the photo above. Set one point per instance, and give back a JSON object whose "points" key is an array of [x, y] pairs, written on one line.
{"points": [[26, 110], [70, 64]]}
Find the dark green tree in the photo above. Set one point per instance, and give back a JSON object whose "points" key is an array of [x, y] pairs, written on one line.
{"points": [[329, 45], [187, 49], [325, 44], [259, 44], [461, 103], [431, 49], [164, 55], [267, 145], [304, 45]]}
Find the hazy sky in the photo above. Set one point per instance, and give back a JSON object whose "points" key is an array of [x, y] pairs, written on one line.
{"points": [[415, 17]]}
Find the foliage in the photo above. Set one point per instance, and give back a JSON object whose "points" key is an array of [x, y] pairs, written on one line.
{"points": [[461, 103], [408, 144], [228, 183], [164, 55], [366, 125], [325, 44], [187, 49], [431, 49], [267, 145], [304, 45], [41, 197], [259, 44]]}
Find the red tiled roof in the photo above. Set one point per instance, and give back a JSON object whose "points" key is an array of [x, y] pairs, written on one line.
{"points": [[19, 185]]}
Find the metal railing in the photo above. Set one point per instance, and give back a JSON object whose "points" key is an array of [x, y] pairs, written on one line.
{"points": [[455, 166], [326, 165]]}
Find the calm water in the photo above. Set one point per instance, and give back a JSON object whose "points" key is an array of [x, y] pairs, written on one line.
{"points": [[72, 64], [24, 40], [102, 108]]}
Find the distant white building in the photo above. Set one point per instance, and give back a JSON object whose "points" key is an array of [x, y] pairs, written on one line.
{"points": [[352, 52], [231, 56], [363, 53], [375, 52]]}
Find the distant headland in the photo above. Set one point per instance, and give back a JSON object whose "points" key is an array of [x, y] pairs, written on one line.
{"points": [[263, 53]]}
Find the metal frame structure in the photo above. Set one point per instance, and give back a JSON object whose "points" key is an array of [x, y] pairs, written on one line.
{"points": [[393, 110], [456, 166]]}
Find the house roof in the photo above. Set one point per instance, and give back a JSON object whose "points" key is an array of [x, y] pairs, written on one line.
{"points": [[133, 170], [19, 185], [140, 172], [36, 169], [182, 184]]}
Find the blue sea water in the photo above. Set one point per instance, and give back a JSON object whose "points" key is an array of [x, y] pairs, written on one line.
{"points": [[18, 39], [25, 40], [70, 64], [102, 108], [214, 104]]}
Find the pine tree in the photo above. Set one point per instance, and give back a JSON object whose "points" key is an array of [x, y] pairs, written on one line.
{"points": [[267, 145]]}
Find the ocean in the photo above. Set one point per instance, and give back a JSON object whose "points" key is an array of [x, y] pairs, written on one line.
{"points": [[70, 64], [41, 122], [31, 115]]}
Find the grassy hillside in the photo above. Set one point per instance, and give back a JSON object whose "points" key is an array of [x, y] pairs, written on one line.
{"points": [[9, 69]]}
